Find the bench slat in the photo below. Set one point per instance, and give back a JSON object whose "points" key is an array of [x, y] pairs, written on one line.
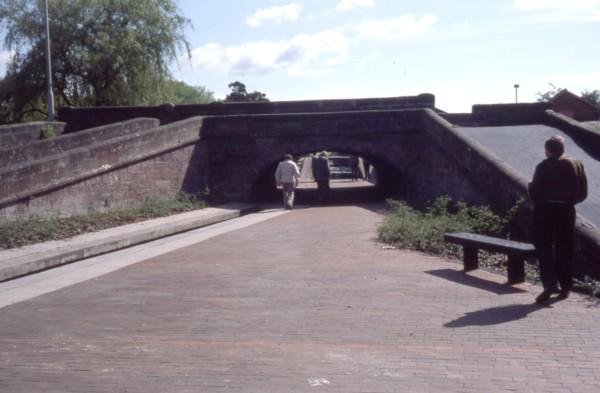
{"points": [[491, 243]]}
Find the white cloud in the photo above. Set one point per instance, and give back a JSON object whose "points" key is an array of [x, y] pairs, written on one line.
{"points": [[345, 5], [276, 14], [587, 10], [305, 53], [293, 56], [404, 26]]}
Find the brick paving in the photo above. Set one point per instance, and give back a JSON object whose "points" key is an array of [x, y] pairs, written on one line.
{"points": [[303, 302]]}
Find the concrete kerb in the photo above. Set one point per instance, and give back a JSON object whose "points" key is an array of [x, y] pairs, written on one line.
{"points": [[35, 258]]}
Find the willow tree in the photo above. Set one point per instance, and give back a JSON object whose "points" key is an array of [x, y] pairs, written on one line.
{"points": [[104, 52]]}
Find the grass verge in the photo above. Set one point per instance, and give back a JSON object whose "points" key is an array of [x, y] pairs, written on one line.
{"points": [[38, 229]]}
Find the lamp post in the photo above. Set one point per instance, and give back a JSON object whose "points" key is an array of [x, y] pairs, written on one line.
{"points": [[516, 93], [49, 94]]}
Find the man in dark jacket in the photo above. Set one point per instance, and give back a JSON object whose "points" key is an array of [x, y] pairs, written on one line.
{"points": [[321, 173], [559, 182]]}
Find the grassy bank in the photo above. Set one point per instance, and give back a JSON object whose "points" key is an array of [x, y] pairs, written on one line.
{"points": [[37, 229]]}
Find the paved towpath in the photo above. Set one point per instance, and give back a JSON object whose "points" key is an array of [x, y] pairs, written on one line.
{"points": [[303, 301]]}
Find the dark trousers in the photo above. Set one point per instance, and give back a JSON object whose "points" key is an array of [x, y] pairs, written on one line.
{"points": [[322, 190], [553, 231]]}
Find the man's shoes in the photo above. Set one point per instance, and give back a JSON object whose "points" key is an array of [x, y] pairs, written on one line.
{"points": [[563, 294], [545, 296]]}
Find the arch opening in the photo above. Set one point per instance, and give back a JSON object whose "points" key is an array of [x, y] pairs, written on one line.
{"points": [[355, 178]]}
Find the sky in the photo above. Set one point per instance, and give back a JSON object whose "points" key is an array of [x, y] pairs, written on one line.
{"points": [[464, 52]]}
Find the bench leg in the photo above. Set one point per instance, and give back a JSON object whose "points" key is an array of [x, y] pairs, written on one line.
{"points": [[470, 261], [516, 269]]}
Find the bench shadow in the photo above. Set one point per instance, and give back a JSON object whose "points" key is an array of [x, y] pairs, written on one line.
{"points": [[460, 277], [495, 315]]}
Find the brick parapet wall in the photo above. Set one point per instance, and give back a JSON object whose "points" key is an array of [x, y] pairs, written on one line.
{"points": [[504, 186], [82, 118], [500, 115], [45, 148], [312, 124], [163, 175], [13, 135], [25, 181], [586, 138]]}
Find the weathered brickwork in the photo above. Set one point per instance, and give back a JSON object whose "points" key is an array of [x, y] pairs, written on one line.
{"points": [[162, 176], [19, 134], [84, 118], [244, 148], [113, 173], [43, 148], [233, 149], [501, 114]]}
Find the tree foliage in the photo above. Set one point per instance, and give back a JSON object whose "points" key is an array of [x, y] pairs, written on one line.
{"points": [[547, 96], [182, 93], [239, 94], [104, 52], [591, 96]]}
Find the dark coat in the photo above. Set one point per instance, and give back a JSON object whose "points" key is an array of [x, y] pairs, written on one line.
{"points": [[320, 168]]}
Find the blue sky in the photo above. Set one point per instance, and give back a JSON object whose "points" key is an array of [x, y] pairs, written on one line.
{"points": [[464, 52]]}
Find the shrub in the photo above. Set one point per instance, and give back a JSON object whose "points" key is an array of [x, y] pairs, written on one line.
{"points": [[48, 131], [407, 227]]}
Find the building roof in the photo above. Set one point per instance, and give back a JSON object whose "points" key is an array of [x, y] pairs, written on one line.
{"points": [[564, 93]]}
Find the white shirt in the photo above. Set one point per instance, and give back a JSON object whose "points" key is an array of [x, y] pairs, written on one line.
{"points": [[287, 172]]}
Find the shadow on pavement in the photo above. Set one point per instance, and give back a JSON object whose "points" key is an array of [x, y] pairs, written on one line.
{"points": [[476, 282], [494, 315]]}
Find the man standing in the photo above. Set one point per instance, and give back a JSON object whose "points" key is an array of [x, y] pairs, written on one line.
{"points": [[559, 182], [321, 173], [286, 176]]}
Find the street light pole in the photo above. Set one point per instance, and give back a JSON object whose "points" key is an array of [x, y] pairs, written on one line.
{"points": [[49, 93], [516, 95]]}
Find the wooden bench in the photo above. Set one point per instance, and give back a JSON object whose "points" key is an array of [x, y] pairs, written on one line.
{"points": [[517, 252]]}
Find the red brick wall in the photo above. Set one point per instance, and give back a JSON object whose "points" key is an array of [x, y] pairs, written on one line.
{"points": [[116, 172]]}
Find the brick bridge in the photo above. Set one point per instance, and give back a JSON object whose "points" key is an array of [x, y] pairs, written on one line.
{"points": [[242, 151], [113, 157]]}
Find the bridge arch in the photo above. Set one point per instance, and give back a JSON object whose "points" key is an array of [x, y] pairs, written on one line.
{"points": [[242, 151], [389, 178]]}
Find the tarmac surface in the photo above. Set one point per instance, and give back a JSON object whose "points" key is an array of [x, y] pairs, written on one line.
{"points": [[279, 301], [522, 147]]}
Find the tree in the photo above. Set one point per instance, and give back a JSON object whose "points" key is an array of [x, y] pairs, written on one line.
{"points": [[239, 94], [104, 52], [182, 93], [548, 95], [592, 96]]}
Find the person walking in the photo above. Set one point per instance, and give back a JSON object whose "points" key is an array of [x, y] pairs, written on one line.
{"points": [[321, 173], [559, 183], [286, 177]]}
